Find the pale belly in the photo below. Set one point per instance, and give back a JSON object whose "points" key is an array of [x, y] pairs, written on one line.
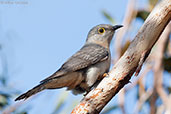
{"points": [[92, 75]]}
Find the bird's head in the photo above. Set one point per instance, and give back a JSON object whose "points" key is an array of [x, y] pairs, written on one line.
{"points": [[102, 34]]}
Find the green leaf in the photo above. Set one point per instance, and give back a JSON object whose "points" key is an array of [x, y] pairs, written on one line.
{"points": [[3, 101], [108, 16], [169, 89], [152, 3], [142, 14], [167, 64]]}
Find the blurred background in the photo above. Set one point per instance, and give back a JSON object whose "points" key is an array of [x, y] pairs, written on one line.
{"points": [[37, 36]]}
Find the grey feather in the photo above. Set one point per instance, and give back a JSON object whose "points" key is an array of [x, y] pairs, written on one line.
{"points": [[88, 55], [31, 92]]}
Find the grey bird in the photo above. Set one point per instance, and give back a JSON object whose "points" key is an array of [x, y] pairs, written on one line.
{"points": [[85, 68]]}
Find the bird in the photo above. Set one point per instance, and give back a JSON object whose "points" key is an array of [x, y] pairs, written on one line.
{"points": [[84, 69]]}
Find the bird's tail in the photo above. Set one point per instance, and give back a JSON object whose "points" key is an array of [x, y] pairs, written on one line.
{"points": [[31, 92]]}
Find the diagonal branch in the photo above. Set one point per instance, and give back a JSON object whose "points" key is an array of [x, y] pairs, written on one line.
{"points": [[134, 57]]}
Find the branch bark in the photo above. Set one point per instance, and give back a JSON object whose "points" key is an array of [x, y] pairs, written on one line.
{"points": [[130, 14], [130, 62]]}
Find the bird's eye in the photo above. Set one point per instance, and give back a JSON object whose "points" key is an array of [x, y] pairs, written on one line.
{"points": [[101, 30]]}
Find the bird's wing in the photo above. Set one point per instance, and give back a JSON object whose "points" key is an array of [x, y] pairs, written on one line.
{"points": [[88, 55]]}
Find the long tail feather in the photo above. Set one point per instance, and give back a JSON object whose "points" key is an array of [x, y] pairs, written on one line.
{"points": [[31, 92]]}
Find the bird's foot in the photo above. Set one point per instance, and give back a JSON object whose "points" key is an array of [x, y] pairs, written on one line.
{"points": [[85, 94], [105, 75]]}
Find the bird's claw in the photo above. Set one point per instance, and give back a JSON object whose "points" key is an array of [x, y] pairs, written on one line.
{"points": [[105, 75]]}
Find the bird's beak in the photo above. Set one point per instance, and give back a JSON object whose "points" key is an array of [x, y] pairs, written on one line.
{"points": [[117, 26]]}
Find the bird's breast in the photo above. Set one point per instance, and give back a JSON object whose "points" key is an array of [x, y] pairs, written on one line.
{"points": [[91, 75], [95, 71]]}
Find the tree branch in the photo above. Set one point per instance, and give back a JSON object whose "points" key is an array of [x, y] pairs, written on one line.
{"points": [[134, 57]]}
